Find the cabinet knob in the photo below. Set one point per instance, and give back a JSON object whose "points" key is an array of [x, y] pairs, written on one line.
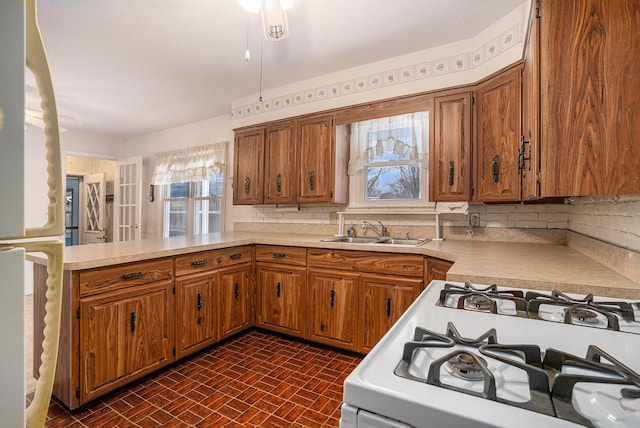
{"points": [[278, 290], [132, 322], [236, 291], [332, 298], [495, 168], [279, 183], [247, 185], [388, 306], [312, 180], [199, 302]]}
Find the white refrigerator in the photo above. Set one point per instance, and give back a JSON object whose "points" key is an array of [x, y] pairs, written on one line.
{"points": [[20, 44]]}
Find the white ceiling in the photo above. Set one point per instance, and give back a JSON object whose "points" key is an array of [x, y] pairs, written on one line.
{"points": [[125, 68]]}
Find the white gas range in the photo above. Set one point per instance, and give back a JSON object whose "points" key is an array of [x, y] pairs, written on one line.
{"points": [[477, 356]]}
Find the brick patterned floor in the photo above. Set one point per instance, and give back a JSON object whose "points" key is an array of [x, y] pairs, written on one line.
{"points": [[256, 379]]}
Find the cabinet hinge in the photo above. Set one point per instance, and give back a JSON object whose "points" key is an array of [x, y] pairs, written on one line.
{"points": [[78, 393], [78, 313], [473, 99], [537, 9], [331, 193], [174, 289], [538, 178], [174, 351]]}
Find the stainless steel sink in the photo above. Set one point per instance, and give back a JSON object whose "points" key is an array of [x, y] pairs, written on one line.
{"points": [[407, 242], [354, 240], [377, 241]]}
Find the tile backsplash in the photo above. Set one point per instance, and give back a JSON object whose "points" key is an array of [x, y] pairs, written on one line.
{"points": [[614, 220]]}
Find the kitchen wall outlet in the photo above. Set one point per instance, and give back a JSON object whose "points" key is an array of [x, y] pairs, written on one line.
{"points": [[474, 219]]}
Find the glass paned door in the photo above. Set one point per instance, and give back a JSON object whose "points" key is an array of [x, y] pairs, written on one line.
{"points": [[94, 203], [128, 200]]}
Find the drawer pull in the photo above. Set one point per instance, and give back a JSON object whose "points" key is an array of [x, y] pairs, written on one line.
{"points": [[279, 255], [198, 263], [278, 290], [388, 306], [332, 297], [199, 302], [132, 275], [235, 256], [132, 322], [236, 291]]}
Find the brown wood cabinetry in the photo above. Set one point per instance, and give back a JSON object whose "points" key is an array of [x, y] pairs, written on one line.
{"points": [[332, 308], [385, 300], [435, 269], [248, 175], [196, 304], [235, 299], [589, 86], [281, 282], [450, 178], [498, 137], [126, 334], [281, 169]]}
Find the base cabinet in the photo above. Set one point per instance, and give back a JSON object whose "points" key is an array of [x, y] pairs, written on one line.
{"points": [[280, 298], [195, 309], [127, 334], [332, 308], [385, 300], [235, 296]]}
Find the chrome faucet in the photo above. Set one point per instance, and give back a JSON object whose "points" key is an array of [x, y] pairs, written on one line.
{"points": [[383, 232]]}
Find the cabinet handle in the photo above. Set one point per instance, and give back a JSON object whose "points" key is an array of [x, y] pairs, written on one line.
{"points": [[451, 172], [388, 306], [495, 168], [236, 291], [235, 256], [198, 263], [247, 185], [132, 322], [199, 302], [279, 183], [132, 275], [332, 297], [312, 180], [522, 158], [279, 255], [278, 290]]}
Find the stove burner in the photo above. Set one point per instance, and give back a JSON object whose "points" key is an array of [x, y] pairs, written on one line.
{"points": [[478, 302], [466, 366], [583, 315]]}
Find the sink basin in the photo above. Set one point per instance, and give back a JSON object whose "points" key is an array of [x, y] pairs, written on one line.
{"points": [[381, 241], [408, 242], [350, 240]]}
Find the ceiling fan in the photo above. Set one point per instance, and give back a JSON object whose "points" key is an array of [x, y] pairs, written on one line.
{"points": [[34, 117]]}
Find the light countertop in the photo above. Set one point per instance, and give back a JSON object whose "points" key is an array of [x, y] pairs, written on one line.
{"points": [[523, 265]]}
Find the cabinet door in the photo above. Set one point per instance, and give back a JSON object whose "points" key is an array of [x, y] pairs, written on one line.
{"points": [[235, 296], [332, 308], [249, 167], [589, 88], [499, 111], [316, 154], [281, 172], [195, 326], [385, 300], [530, 155], [280, 303], [451, 148], [436, 269], [126, 334]]}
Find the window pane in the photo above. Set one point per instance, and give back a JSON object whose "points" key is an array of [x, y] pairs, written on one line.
{"points": [[179, 190], [177, 218], [207, 216], [392, 182]]}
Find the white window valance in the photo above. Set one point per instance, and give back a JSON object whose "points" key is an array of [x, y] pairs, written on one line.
{"points": [[201, 163], [396, 139]]}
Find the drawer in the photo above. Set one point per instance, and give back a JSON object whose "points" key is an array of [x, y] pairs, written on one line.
{"points": [[281, 255], [114, 277], [213, 259], [363, 261]]}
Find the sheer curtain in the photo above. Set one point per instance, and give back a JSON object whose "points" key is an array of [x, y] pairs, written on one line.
{"points": [[401, 138], [202, 163]]}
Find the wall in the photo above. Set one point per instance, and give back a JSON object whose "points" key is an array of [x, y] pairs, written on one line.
{"points": [[209, 131]]}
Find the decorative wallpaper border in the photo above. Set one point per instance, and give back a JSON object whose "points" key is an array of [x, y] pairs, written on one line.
{"points": [[424, 70]]}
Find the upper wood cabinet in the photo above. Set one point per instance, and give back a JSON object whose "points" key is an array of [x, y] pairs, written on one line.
{"points": [[323, 161], [589, 86], [281, 172], [451, 148], [498, 137], [291, 161], [248, 172]]}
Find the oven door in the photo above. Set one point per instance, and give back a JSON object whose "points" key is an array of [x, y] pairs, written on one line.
{"points": [[352, 417]]}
